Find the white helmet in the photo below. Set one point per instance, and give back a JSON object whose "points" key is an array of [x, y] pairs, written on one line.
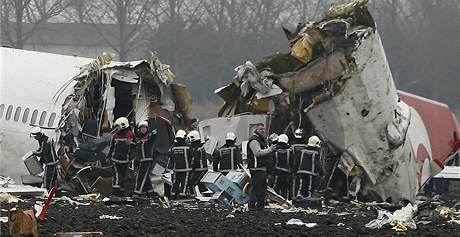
{"points": [[122, 122], [283, 138], [181, 134], [230, 136], [298, 133], [143, 123], [273, 137], [194, 136], [36, 131], [314, 141]]}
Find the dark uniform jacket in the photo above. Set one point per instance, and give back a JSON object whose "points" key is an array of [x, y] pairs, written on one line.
{"points": [[145, 146], [180, 157], [283, 159], [120, 146], [227, 158], [297, 148], [199, 160], [309, 162]]}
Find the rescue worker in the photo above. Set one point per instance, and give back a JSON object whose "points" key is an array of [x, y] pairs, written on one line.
{"points": [[283, 163], [120, 148], [298, 145], [199, 161], [308, 168], [144, 144], [227, 157], [259, 155], [47, 155], [180, 162]]}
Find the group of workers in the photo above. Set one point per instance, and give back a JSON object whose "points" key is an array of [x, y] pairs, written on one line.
{"points": [[289, 167]]}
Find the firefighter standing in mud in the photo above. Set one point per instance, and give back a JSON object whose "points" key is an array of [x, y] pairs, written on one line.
{"points": [[199, 161], [47, 155], [227, 157], [298, 145], [180, 162], [144, 144], [283, 163], [120, 147], [308, 167], [259, 155]]}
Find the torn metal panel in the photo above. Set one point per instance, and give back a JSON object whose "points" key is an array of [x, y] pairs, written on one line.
{"points": [[321, 70], [23, 190]]}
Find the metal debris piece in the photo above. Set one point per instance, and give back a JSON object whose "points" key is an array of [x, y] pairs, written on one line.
{"points": [[403, 216], [79, 234], [300, 223], [110, 217]]}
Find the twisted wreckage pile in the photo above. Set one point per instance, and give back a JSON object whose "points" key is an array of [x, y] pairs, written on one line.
{"points": [[335, 83], [104, 91]]}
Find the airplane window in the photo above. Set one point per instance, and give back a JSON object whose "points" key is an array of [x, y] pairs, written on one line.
{"points": [[34, 117], [42, 118], [17, 114], [2, 107], [51, 120], [25, 115], [8, 112]]}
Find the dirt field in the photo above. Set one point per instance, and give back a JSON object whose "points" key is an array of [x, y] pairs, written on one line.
{"points": [[190, 219]]}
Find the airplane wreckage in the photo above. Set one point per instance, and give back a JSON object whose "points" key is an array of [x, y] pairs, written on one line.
{"points": [[104, 91], [335, 83]]}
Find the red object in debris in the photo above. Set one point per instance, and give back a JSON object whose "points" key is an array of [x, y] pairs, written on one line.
{"points": [[48, 202]]}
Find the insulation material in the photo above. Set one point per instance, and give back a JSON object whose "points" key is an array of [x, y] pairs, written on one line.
{"points": [[182, 99], [302, 50]]}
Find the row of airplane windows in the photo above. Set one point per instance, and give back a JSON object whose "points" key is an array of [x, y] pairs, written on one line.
{"points": [[25, 116]]}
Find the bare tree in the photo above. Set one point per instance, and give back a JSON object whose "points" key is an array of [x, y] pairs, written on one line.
{"points": [[130, 18], [78, 11], [15, 14]]}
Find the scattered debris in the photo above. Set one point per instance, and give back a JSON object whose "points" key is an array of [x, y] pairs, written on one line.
{"points": [[340, 224], [79, 234], [300, 223], [343, 214], [110, 217], [5, 181], [453, 221], [399, 227], [89, 197], [404, 216], [227, 188], [66, 200], [8, 198], [230, 216], [22, 190]]}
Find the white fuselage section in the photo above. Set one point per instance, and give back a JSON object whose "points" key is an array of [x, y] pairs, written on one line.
{"points": [[29, 81]]}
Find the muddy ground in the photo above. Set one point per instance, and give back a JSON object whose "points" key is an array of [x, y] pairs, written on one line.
{"points": [[191, 219]]}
